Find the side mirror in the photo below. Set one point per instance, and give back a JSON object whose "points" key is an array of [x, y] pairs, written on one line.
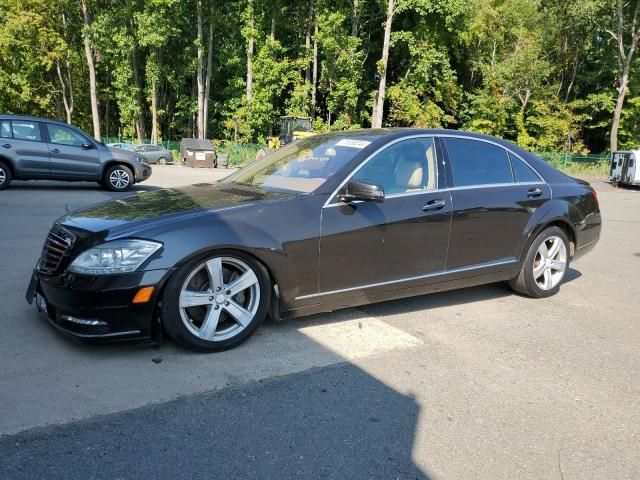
{"points": [[364, 191], [87, 146]]}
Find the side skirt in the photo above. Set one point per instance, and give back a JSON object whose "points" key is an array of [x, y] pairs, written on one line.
{"points": [[330, 303]]}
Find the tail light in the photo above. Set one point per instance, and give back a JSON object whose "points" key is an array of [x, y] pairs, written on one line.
{"points": [[595, 198]]}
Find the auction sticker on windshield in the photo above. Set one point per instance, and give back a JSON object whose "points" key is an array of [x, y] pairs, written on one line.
{"points": [[349, 142]]}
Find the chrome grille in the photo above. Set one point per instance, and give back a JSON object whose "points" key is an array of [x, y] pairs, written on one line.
{"points": [[55, 247]]}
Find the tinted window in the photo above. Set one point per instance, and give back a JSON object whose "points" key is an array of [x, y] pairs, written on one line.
{"points": [[5, 129], [405, 166], [522, 172], [477, 163], [65, 136], [24, 130]]}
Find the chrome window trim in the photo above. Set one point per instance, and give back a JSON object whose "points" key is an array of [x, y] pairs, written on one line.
{"points": [[447, 189], [509, 152], [329, 202], [494, 263]]}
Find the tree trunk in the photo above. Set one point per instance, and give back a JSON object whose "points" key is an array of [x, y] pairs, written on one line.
{"points": [[93, 90], [378, 106], [307, 43], [200, 75], [67, 99], [154, 112], [207, 83], [314, 85], [141, 129], [624, 65], [272, 33], [250, 46], [617, 112], [356, 18]]}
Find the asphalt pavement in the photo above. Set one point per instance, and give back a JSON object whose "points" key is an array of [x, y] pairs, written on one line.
{"points": [[476, 383]]}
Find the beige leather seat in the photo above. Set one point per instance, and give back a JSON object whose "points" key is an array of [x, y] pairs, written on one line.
{"points": [[409, 175]]}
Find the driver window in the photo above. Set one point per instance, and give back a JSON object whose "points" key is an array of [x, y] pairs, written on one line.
{"points": [[64, 136], [406, 166]]}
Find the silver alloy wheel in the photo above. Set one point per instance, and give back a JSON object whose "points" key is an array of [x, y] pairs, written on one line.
{"points": [[119, 178], [219, 298], [3, 176], [162, 161], [550, 263]]}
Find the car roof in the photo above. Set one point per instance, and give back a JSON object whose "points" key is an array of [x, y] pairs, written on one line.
{"points": [[11, 116]]}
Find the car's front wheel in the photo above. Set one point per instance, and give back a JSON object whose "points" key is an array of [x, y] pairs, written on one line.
{"points": [[216, 302], [545, 265], [162, 161], [118, 178]]}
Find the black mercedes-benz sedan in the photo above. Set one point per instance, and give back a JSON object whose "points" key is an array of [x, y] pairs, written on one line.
{"points": [[328, 222]]}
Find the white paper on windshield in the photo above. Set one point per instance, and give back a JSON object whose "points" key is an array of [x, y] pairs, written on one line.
{"points": [[349, 142]]}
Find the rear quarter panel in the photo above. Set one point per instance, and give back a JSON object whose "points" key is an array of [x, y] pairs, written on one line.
{"points": [[574, 204]]}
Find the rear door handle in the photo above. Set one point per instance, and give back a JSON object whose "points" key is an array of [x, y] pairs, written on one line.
{"points": [[6, 145], [55, 150], [534, 192], [434, 205]]}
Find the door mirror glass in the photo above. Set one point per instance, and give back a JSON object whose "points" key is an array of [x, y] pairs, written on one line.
{"points": [[364, 191], [87, 146]]}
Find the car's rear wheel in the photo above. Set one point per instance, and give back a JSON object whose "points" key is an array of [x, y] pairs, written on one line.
{"points": [[118, 178], [545, 265], [5, 176], [162, 161], [216, 302]]}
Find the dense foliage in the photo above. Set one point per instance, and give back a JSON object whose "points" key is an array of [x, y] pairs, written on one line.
{"points": [[544, 73]]}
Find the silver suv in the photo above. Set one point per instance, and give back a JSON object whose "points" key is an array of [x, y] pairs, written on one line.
{"points": [[41, 149]]}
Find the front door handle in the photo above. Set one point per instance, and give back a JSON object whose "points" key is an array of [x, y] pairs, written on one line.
{"points": [[434, 205], [55, 150], [534, 192], [6, 145]]}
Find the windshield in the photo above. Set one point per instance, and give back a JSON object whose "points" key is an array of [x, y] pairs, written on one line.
{"points": [[305, 164]]}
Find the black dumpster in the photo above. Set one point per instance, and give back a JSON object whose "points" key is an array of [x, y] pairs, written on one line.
{"points": [[197, 153]]}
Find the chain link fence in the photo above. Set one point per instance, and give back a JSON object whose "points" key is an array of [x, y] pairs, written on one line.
{"points": [[239, 153]]}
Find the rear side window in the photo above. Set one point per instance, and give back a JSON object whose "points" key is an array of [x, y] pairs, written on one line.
{"points": [[25, 130], [5, 129], [522, 172], [65, 136], [477, 163]]}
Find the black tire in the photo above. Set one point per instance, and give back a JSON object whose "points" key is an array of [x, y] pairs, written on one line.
{"points": [[171, 313], [5, 176], [119, 171], [162, 161], [525, 283]]}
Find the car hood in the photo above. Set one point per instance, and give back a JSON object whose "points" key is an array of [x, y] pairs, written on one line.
{"points": [[145, 209], [121, 152]]}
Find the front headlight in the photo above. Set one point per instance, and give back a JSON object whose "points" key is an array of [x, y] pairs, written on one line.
{"points": [[119, 256]]}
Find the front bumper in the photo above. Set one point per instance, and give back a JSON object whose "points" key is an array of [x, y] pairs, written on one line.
{"points": [[142, 172], [98, 308]]}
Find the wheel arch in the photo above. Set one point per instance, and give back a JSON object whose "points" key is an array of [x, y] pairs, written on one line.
{"points": [[7, 161], [114, 162], [559, 222], [274, 308]]}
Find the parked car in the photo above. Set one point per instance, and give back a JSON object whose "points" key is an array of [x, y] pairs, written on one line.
{"points": [[42, 149], [123, 146], [327, 222], [153, 153]]}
